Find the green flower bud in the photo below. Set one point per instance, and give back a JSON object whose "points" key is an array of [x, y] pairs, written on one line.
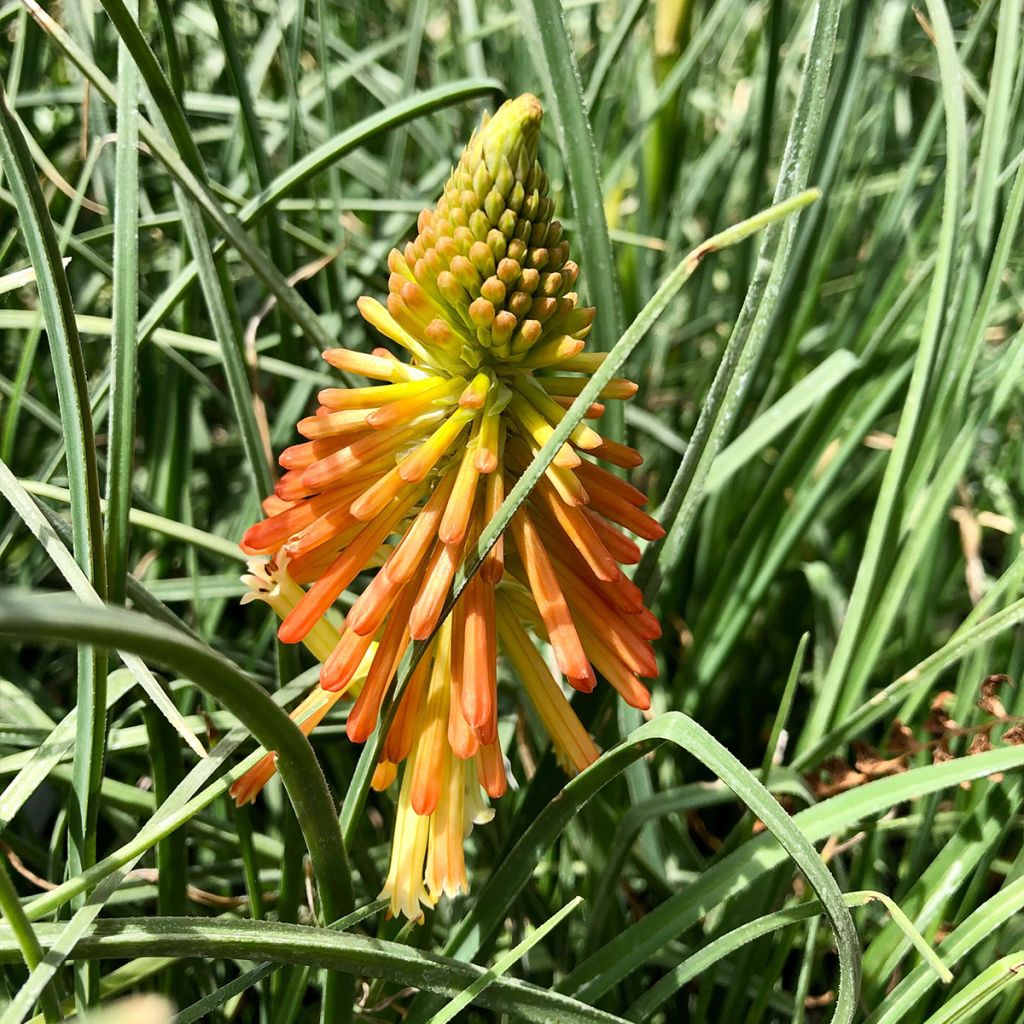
{"points": [[488, 276]]}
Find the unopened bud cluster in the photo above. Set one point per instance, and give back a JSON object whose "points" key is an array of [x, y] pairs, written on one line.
{"points": [[488, 277]]}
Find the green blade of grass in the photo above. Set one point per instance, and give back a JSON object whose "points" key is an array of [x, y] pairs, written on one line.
{"points": [[83, 478], [472, 992], [79, 582], [555, 63], [750, 331], [199, 1009], [979, 926], [317, 947], [43, 617], [835, 698], [699, 962], [120, 458], [735, 872], [980, 991], [25, 940]]}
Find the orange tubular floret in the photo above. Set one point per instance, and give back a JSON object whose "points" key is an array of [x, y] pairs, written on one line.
{"points": [[299, 456], [629, 688], [618, 511], [376, 498], [375, 367], [403, 728], [584, 362], [568, 485], [266, 537], [579, 530], [622, 594], [290, 488], [565, 641], [597, 478], [490, 770], [383, 775], [493, 567], [336, 524], [372, 397], [337, 671], [415, 543], [594, 411], [311, 566], [565, 481], [554, 710], [460, 736], [621, 548], [617, 454], [569, 387], [406, 409], [648, 625], [430, 600], [554, 352], [248, 787], [272, 505], [358, 454], [489, 442], [537, 429], [416, 466], [615, 633], [433, 727], [460, 505], [345, 568], [362, 719], [370, 607], [582, 436], [479, 679], [332, 424]]}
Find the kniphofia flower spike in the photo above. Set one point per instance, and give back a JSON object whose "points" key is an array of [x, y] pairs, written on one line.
{"points": [[402, 476]]}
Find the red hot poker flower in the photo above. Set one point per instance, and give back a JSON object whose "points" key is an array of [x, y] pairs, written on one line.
{"points": [[403, 475]]}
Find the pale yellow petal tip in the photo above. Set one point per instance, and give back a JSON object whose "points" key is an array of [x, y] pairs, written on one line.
{"points": [[513, 132], [260, 580], [523, 113]]}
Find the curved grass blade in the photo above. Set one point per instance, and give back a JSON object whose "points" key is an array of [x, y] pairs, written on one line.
{"points": [[980, 991], [695, 965], [735, 872], [978, 927], [199, 1009], [731, 875], [187, 800], [503, 964], [25, 939], [41, 616], [123, 938], [29, 512], [674, 801]]}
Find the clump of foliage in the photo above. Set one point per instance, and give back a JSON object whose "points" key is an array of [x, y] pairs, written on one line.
{"points": [[831, 419]]}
